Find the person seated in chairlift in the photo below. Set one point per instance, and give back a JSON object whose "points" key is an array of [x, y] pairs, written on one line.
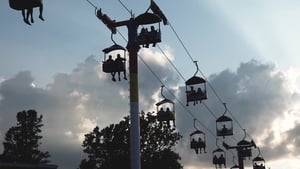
{"points": [[153, 33], [120, 62], [194, 146], [144, 37], [110, 62], [221, 160], [168, 112], [224, 129], [161, 112]]}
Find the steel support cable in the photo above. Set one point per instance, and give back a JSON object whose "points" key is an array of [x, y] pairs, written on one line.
{"points": [[210, 85], [92, 4], [177, 72], [156, 76]]}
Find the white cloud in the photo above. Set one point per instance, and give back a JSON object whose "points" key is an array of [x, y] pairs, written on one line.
{"points": [[73, 104]]}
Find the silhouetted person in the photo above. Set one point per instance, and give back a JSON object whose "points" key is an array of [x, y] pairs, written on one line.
{"points": [[119, 62], [153, 33], [110, 63], [161, 112], [221, 160], [194, 146]]}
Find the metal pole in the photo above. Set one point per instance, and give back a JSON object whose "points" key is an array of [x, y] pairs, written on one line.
{"points": [[241, 159], [134, 96]]}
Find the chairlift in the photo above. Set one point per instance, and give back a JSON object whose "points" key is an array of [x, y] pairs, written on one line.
{"points": [[224, 125], [195, 82], [114, 59], [219, 156], [165, 110], [198, 140], [245, 147], [24, 4], [258, 162], [151, 36]]}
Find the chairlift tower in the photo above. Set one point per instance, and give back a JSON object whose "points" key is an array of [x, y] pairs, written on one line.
{"points": [[243, 149], [133, 47]]}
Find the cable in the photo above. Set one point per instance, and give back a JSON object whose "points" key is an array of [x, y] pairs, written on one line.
{"points": [[190, 56], [92, 4]]}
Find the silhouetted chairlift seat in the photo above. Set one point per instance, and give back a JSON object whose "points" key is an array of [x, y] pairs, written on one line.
{"points": [[258, 163], [195, 90], [219, 158], [152, 36], [224, 126], [245, 150], [165, 111], [198, 141], [24, 4], [109, 65]]}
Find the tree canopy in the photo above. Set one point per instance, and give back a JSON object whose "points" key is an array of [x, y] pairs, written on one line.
{"points": [[109, 148], [22, 142]]}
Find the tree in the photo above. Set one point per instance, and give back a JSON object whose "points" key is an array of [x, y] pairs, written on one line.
{"points": [[109, 148], [21, 143]]}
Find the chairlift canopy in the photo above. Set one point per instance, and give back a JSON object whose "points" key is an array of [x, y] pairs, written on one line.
{"points": [[218, 150], [163, 102], [195, 80], [223, 118], [147, 18], [196, 132], [244, 143], [112, 48], [258, 159]]}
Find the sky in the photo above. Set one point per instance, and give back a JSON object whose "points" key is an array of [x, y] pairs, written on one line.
{"points": [[247, 51]]}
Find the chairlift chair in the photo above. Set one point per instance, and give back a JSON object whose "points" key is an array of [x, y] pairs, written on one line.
{"points": [[219, 158], [24, 4], [195, 89], [152, 36], [197, 140], [258, 162], [165, 110], [224, 125], [244, 147], [110, 54], [244, 150]]}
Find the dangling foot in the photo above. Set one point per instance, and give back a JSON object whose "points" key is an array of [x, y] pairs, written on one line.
{"points": [[113, 79], [32, 21], [41, 17], [27, 22], [125, 78]]}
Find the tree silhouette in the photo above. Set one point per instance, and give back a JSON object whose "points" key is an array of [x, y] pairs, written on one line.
{"points": [[21, 144], [109, 148]]}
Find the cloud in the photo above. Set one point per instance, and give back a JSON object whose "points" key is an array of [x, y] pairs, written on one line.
{"points": [[74, 103], [259, 100], [256, 93]]}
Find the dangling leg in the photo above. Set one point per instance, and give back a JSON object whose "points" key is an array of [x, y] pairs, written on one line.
{"points": [[119, 76], [41, 7], [125, 74], [29, 14], [113, 76], [25, 19]]}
